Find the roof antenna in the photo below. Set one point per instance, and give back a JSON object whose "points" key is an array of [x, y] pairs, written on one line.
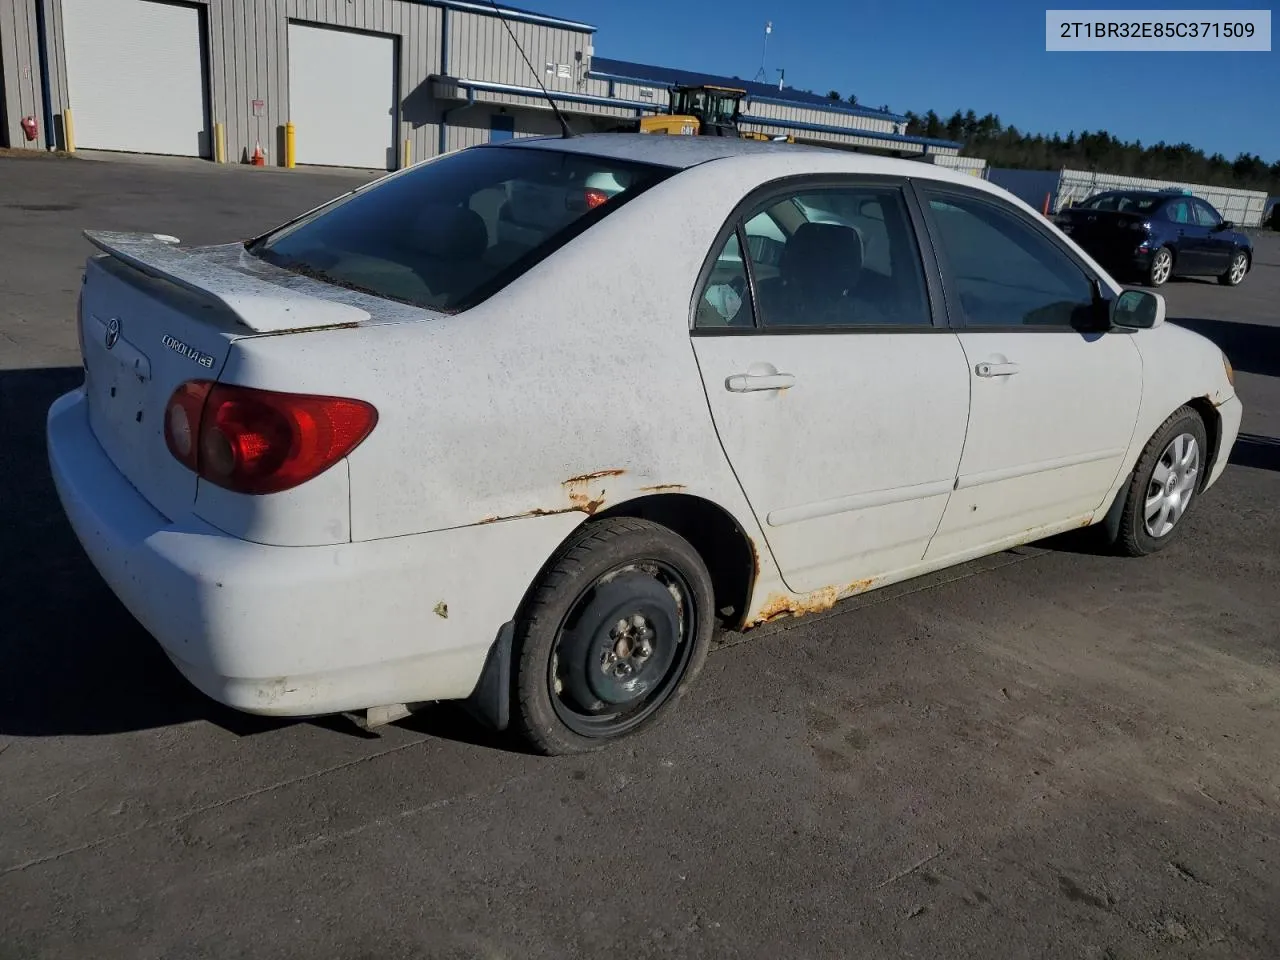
{"points": [[564, 125]]}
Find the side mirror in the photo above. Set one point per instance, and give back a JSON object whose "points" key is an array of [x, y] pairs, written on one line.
{"points": [[1225, 225], [1137, 310]]}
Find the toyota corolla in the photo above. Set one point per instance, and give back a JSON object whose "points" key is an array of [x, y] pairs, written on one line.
{"points": [[484, 431]]}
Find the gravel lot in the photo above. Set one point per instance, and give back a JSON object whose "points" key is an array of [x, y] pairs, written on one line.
{"points": [[1046, 753]]}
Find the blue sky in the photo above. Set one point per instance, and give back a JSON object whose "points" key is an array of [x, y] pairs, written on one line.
{"points": [[923, 54]]}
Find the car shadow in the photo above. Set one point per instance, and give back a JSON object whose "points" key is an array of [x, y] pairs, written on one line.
{"points": [[1251, 347], [451, 721], [1261, 453], [73, 661]]}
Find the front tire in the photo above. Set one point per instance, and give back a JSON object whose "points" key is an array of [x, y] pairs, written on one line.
{"points": [[1161, 268], [1165, 484], [615, 630], [1236, 271]]}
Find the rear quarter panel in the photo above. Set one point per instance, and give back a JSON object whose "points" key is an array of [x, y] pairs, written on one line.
{"points": [[571, 391]]}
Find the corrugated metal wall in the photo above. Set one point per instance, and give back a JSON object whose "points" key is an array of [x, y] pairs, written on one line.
{"points": [[472, 127], [248, 61], [481, 49], [658, 96], [20, 71], [832, 118], [248, 65], [975, 166], [1245, 207], [822, 138]]}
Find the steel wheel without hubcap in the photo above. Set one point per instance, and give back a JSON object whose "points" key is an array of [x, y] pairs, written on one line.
{"points": [[1161, 266], [1173, 483], [622, 649]]}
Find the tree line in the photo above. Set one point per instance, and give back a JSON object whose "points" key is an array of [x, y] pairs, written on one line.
{"points": [[1010, 147], [1003, 146]]}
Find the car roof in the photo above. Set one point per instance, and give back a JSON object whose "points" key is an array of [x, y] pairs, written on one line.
{"points": [[668, 151], [683, 152]]}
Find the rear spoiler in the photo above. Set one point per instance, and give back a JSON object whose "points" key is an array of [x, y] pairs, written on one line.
{"points": [[261, 306]]}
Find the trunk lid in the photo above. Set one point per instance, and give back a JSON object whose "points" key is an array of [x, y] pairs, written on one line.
{"points": [[154, 315]]}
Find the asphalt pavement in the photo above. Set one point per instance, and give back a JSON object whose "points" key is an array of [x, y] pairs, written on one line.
{"points": [[1048, 753]]}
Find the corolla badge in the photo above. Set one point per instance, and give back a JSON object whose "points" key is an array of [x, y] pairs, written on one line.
{"points": [[191, 353], [113, 332]]}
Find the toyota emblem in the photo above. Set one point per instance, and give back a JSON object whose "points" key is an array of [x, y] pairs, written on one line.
{"points": [[113, 332]]}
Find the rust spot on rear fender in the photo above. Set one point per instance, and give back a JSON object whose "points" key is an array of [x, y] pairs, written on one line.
{"points": [[583, 502], [587, 493], [587, 477], [535, 512], [663, 487], [584, 493]]}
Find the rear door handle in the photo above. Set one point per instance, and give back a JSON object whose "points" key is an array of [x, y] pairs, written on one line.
{"points": [[750, 383], [996, 369]]}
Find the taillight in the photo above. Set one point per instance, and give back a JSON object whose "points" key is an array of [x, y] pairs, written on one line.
{"points": [[260, 441], [595, 198]]}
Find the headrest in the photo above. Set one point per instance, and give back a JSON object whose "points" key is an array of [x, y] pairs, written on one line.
{"points": [[450, 233], [828, 255]]}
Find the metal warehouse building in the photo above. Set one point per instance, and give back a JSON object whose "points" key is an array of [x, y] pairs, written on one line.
{"points": [[365, 83]]}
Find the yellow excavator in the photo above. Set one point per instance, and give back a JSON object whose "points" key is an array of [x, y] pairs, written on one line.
{"points": [[702, 110]]}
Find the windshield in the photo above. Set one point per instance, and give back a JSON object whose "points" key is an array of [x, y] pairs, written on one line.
{"points": [[454, 231], [1123, 202]]}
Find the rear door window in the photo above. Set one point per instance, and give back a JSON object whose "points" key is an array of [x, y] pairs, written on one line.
{"points": [[453, 231], [1179, 211], [1204, 214]]}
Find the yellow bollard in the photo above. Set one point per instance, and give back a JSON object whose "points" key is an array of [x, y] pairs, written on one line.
{"points": [[219, 143], [68, 131], [290, 145], [406, 155]]}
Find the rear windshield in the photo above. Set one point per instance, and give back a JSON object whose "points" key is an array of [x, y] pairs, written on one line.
{"points": [[1124, 202], [456, 230]]}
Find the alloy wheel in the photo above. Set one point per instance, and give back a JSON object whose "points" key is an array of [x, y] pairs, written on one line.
{"points": [[1172, 485], [1238, 267], [1162, 267]]}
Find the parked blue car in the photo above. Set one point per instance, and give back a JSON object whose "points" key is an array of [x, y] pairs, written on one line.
{"points": [[1151, 236]]}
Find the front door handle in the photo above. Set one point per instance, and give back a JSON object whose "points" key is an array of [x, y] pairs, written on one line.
{"points": [[750, 383], [996, 369]]}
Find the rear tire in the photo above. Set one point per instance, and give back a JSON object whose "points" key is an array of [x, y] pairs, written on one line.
{"points": [[1161, 268], [1236, 271], [1165, 484], [615, 630]]}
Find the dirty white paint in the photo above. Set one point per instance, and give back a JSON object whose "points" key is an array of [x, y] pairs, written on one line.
{"points": [[575, 389]]}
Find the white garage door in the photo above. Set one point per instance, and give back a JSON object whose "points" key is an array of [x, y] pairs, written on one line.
{"points": [[136, 78], [342, 97]]}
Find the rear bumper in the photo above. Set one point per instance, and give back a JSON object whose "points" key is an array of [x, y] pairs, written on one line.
{"points": [[297, 631]]}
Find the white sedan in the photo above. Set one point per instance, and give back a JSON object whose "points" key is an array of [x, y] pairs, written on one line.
{"points": [[485, 431]]}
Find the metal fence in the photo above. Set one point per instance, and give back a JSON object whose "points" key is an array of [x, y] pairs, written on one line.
{"points": [[1244, 207]]}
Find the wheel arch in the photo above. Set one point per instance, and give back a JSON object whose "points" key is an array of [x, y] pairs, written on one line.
{"points": [[717, 536], [1212, 420]]}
